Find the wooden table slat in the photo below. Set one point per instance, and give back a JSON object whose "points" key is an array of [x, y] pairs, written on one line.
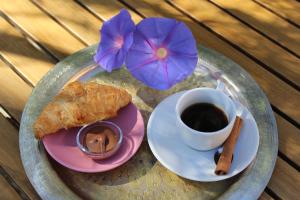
{"points": [[104, 8], [41, 27], [29, 61], [7, 191], [289, 137], [14, 92], [275, 89], [276, 58], [84, 24], [285, 181], [265, 196], [265, 21], [288, 9], [10, 157]]}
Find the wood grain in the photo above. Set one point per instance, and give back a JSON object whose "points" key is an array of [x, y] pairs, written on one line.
{"points": [[285, 181], [7, 192], [85, 25], [14, 92], [265, 196], [10, 157], [275, 89], [286, 8], [30, 62], [41, 27], [106, 9], [289, 137], [277, 59], [265, 21]]}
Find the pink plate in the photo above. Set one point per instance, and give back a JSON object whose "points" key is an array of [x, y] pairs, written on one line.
{"points": [[62, 146]]}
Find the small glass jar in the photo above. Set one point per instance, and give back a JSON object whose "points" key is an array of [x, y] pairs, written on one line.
{"points": [[93, 126]]}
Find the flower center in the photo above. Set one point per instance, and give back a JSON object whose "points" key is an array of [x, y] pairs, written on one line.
{"points": [[161, 53], [119, 42]]}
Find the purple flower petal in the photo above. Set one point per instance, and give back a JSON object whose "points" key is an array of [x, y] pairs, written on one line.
{"points": [[163, 52], [116, 39]]}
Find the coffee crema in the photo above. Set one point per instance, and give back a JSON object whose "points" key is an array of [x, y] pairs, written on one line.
{"points": [[204, 117]]}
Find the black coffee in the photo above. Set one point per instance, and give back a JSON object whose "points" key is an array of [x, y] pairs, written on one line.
{"points": [[204, 117]]}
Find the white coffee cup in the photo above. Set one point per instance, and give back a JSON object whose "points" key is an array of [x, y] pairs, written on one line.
{"points": [[205, 140]]}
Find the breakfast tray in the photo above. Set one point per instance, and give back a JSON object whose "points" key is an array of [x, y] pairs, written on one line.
{"points": [[143, 177]]}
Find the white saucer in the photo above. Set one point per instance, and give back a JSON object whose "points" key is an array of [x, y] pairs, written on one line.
{"points": [[168, 147]]}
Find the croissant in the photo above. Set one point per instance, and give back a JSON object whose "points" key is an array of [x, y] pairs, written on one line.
{"points": [[78, 104]]}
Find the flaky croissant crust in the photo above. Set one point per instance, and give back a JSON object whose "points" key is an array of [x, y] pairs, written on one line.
{"points": [[78, 104]]}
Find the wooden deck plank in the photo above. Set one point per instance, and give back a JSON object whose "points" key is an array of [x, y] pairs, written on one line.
{"points": [[275, 89], [285, 181], [10, 157], [41, 27], [289, 137], [85, 25], [30, 62], [265, 21], [277, 59], [265, 196], [106, 9], [13, 91], [286, 8], [7, 192]]}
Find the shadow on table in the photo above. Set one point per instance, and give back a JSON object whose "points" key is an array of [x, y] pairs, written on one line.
{"points": [[15, 44]]}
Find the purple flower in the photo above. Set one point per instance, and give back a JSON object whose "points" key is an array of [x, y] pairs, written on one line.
{"points": [[116, 39], [163, 52]]}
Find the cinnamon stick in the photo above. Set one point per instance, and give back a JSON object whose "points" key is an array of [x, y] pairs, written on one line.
{"points": [[225, 159]]}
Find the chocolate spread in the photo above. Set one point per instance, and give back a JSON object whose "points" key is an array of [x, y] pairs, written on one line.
{"points": [[101, 139]]}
